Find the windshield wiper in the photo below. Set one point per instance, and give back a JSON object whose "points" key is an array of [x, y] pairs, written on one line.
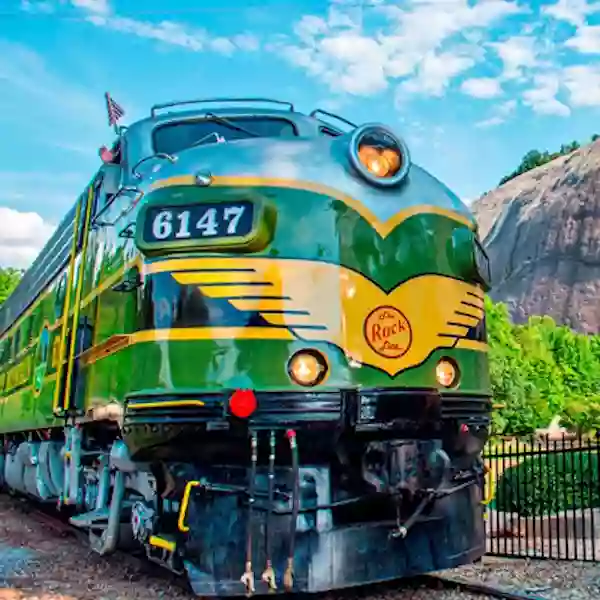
{"points": [[231, 125], [218, 138]]}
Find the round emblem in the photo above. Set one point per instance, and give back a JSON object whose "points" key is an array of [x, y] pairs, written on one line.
{"points": [[388, 332]]}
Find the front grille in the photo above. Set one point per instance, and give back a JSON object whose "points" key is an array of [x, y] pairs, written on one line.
{"points": [[466, 409], [398, 405], [404, 409], [297, 407]]}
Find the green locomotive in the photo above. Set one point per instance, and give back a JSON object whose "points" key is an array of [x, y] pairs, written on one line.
{"points": [[255, 349]]}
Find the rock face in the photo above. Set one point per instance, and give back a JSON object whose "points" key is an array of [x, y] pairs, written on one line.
{"points": [[542, 233]]}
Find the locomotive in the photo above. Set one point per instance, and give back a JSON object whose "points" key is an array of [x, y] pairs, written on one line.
{"points": [[254, 350]]}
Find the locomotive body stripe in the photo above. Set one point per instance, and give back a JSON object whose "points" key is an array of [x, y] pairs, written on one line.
{"points": [[383, 228], [314, 301]]}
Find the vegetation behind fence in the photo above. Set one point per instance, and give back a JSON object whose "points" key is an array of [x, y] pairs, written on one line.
{"points": [[543, 497]]}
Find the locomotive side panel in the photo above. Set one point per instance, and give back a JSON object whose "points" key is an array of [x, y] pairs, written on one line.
{"points": [[31, 345]]}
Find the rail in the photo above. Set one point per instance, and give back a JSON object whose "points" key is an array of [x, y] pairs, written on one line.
{"points": [[224, 100]]}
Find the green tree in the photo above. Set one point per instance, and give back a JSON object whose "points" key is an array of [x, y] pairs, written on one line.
{"points": [[9, 278], [535, 158], [540, 370]]}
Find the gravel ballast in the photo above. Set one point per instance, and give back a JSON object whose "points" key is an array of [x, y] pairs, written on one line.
{"points": [[39, 562]]}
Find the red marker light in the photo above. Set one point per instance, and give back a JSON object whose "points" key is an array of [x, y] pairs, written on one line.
{"points": [[464, 428], [242, 403]]}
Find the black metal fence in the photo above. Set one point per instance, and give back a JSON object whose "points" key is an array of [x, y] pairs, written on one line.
{"points": [[543, 498]]}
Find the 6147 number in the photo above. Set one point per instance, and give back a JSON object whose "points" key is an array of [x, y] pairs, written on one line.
{"points": [[198, 222]]}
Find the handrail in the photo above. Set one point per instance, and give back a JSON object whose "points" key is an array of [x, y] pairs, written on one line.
{"points": [[161, 155], [96, 222], [318, 111], [158, 107]]}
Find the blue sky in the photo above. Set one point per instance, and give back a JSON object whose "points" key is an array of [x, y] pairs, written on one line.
{"points": [[471, 84]]}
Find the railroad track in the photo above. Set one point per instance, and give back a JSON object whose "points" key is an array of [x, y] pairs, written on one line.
{"points": [[59, 524], [475, 587]]}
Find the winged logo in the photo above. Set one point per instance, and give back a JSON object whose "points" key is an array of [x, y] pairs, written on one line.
{"points": [[317, 301]]}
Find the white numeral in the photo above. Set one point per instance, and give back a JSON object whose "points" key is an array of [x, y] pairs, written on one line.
{"points": [[161, 227], [235, 214], [184, 223], [208, 223]]}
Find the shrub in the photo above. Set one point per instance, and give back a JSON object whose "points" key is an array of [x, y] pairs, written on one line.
{"points": [[551, 483]]}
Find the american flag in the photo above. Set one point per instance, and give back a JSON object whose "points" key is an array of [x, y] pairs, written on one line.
{"points": [[115, 112]]}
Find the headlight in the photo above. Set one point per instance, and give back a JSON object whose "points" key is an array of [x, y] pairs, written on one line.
{"points": [[446, 373], [482, 264], [380, 156], [307, 368]]}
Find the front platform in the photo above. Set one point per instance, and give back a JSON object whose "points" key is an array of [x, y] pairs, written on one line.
{"points": [[450, 534]]}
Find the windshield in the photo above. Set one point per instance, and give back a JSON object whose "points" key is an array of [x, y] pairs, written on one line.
{"points": [[175, 137]]}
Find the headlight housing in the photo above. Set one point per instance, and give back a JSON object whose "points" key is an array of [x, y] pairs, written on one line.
{"points": [[467, 256], [378, 155], [308, 367], [482, 264]]}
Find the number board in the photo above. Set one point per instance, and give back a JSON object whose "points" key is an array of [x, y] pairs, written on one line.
{"points": [[191, 222]]}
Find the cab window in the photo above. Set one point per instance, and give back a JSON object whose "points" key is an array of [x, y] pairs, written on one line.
{"points": [[174, 137]]}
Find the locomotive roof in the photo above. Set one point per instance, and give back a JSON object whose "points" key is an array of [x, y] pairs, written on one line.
{"points": [[146, 125]]}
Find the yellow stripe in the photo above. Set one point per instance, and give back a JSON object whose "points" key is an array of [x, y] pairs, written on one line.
{"points": [[159, 542], [472, 311], [225, 333], [77, 307], [165, 404], [199, 277], [469, 320], [383, 228], [66, 306], [456, 330], [472, 345], [254, 305], [109, 346], [211, 333]]}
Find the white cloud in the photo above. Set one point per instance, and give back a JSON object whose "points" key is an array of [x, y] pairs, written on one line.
{"points": [[542, 97], [571, 11], [583, 83], [99, 7], [22, 236], [516, 53], [424, 45], [435, 72], [482, 87], [586, 40], [195, 39], [165, 31], [246, 42], [501, 113]]}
